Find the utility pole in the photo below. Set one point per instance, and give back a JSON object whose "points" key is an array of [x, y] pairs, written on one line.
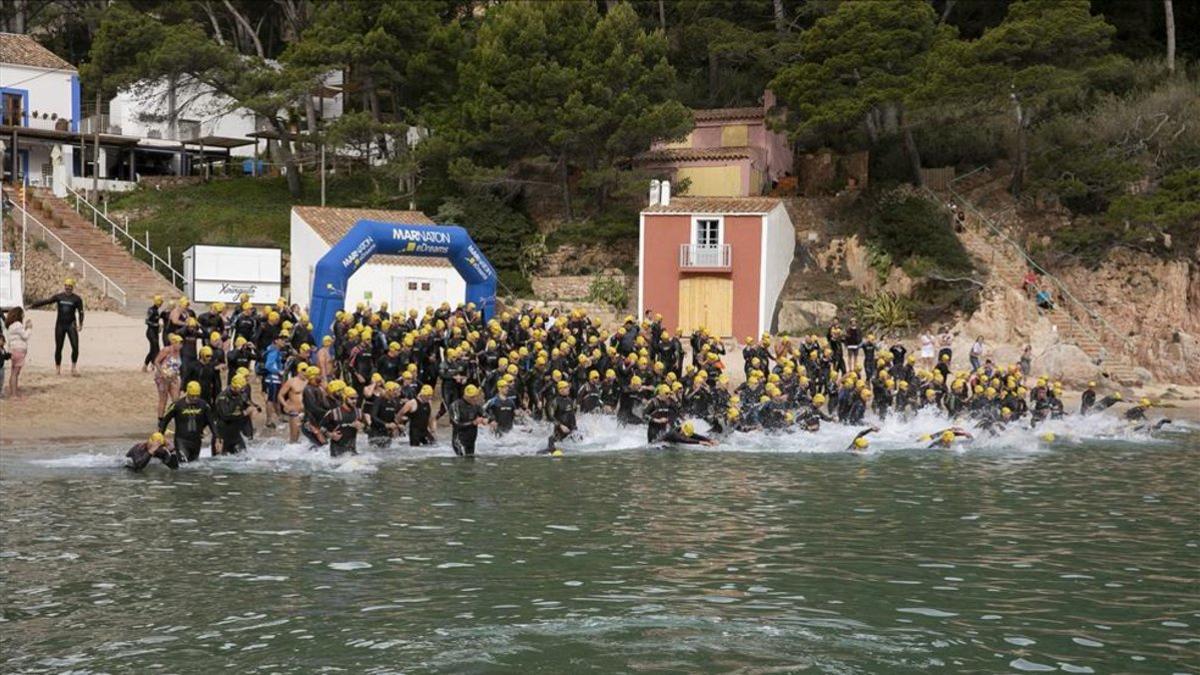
{"points": [[322, 173]]}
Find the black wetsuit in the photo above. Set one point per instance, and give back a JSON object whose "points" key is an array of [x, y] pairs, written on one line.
{"points": [[562, 415], [661, 416], [464, 432], [192, 416], [383, 412], [315, 407], [154, 319], [206, 374], [67, 305], [502, 410], [139, 456], [341, 420], [230, 411], [418, 424], [1086, 401]]}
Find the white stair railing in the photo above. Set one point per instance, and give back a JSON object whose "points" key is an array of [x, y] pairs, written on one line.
{"points": [[121, 234], [86, 270]]}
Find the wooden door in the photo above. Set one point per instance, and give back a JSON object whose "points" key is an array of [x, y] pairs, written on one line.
{"points": [[706, 301]]}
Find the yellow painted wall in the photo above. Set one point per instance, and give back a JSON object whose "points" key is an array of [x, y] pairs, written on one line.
{"points": [[756, 182], [712, 181], [735, 136], [685, 143]]}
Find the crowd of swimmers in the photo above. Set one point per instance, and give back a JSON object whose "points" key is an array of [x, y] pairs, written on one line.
{"points": [[396, 377]]}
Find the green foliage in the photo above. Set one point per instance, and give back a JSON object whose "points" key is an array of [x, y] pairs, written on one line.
{"points": [[883, 312], [862, 56], [533, 254], [553, 87], [609, 290], [499, 230], [916, 233]]}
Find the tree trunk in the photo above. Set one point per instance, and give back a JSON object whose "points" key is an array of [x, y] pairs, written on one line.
{"points": [[910, 150], [872, 126], [289, 159], [564, 177], [376, 114], [310, 118], [662, 15], [19, 18], [1169, 9], [781, 24], [713, 77], [1018, 177], [946, 11]]}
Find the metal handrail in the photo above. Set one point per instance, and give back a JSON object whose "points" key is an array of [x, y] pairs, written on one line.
{"points": [[1066, 293], [177, 279], [109, 287]]}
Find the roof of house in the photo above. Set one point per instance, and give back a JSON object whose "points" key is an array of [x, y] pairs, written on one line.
{"points": [[332, 223], [699, 154], [23, 50], [720, 114], [716, 205]]}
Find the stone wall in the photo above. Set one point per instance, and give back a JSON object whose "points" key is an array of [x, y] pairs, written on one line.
{"points": [[44, 277]]}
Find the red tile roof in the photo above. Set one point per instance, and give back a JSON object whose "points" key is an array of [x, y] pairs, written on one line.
{"points": [[699, 154], [331, 224], [716, 205], [717, 114], [22, 50]]}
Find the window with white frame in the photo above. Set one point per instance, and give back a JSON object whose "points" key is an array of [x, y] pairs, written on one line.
{"points": [[706, 232]]}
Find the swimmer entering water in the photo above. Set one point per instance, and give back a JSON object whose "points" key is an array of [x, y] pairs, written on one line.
{"points": [[946, 437], [141, 454], [860, 442], [686, 434]]}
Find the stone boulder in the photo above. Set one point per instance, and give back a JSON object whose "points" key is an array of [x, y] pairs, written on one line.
{"points": [[1067, 363], [805, 316]]}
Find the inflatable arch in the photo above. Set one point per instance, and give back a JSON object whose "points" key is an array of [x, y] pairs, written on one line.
{"points": [[369, 237]]}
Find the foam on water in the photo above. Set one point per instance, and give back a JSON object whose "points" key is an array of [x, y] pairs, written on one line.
{"points": [[602, 434]]}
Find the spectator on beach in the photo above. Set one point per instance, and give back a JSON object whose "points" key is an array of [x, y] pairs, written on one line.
{"points": [[18, 331], [1044, 300], [945, 343], [1026, 362], [976, 353], [926, 350]]}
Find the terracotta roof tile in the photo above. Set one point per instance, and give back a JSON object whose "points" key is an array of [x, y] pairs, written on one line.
{"points": [[716, 205], [715, 114], [699, 154], [23, 50], [331, 224]]}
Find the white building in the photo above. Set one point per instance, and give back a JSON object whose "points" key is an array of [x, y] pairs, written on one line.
{"points": [[39, 108], [404, 282], [165, 117]]}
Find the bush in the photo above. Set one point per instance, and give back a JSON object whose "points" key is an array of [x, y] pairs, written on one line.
{"points": [[907, 227], [883, 312], [609, 290]]}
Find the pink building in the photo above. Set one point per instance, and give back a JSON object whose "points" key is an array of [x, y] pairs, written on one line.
{"points": [[729, 153], [714, 262]]}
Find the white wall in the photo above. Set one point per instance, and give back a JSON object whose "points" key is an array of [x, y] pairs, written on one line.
{"points": [[49, 91], [307, 248], [141, 109], [779, 247]]}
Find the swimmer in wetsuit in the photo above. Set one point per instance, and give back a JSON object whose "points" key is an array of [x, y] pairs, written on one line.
{"points": [[686, 435], [418, 413], [342, 424], [945, 438], [192, 415], [140, 455], [860, 442], [382, 426], [154, 319], [67, 305], [466, 416], [561, 411], [501, 409], [231, 411]]}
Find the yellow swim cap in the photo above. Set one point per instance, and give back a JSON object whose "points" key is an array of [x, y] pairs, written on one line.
{"points": [[426, 391], [157, 438], [947, 436], [193, 388], [861, 442], [349, 393], [471, 391], [1048, 437], [556, 453], [238, 383], [688, 429]]}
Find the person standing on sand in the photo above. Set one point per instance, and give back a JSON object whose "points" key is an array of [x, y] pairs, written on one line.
{"points": [[167, 368], [976, 353], [66, 325], [154, 319], [291, 401], [926, 350], [18, 332]]}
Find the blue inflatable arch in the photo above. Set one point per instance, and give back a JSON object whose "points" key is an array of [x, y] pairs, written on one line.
{"points": [[369, 237]]}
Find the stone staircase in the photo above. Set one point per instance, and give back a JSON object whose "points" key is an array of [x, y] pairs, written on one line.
{"points": [[136, 278], [1007, 266]]}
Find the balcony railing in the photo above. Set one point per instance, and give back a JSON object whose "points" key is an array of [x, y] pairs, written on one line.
{"points": [[707, 257]]}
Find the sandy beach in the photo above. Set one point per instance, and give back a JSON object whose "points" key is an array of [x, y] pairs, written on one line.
{"points": [[113, 399]]}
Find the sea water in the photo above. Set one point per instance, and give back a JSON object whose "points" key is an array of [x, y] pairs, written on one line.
{"points": [[768, 553]]}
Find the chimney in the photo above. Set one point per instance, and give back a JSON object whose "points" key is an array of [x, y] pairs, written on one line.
{"points": [[654, 192], [665, 193]]}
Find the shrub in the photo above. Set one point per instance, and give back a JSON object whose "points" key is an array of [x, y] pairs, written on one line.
{"points": [[499, 230], [905, 226], [883, 312], [609, 290]]}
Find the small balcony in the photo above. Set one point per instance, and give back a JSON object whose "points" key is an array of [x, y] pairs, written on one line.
{"points": [[696, 257]]}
